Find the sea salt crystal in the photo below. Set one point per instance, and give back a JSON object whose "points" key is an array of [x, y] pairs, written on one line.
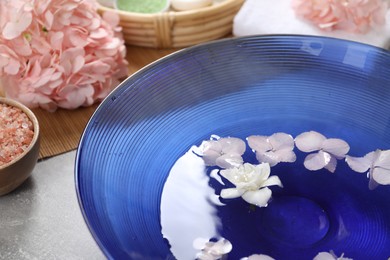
{"points": [[16, 133]]}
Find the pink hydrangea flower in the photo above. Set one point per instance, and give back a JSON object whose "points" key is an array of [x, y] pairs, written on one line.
{"points": [[357, 16], [57, 53]]}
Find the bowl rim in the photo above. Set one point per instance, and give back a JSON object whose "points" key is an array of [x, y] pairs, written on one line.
{"points": [[34, 120]]}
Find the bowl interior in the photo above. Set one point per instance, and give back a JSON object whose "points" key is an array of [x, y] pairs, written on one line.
{"points": [[238, 87]]}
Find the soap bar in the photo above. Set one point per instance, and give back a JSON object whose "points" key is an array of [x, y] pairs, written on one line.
{"points": [[278, 17], [185, 5], [142, 6]]}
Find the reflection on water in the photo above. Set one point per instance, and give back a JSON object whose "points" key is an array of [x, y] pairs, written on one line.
{"points": [[187, 211]]}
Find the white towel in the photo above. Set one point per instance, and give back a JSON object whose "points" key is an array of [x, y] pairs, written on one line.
{"points": [[278, 17]]}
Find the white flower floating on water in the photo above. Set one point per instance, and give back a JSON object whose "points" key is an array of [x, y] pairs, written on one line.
{"points": [[328, 150], [212, 250], [330, 256], [376, 163], [251, 183], [222, 152], [273, 149]]}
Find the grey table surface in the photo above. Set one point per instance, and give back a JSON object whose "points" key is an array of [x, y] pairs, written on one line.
{"points": [[42, 219]]}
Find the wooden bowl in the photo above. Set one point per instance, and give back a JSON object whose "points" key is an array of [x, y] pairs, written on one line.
{"points": [[15, 172], [174, 29]]}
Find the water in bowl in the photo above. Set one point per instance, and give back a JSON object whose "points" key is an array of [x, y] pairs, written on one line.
{"points": [[315, 211]]}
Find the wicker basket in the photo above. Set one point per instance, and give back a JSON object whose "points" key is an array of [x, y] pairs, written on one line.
{"points": [[178, 29]]}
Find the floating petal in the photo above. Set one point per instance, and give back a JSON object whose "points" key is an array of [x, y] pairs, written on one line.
{"points": [[331, 166], [337, 147], [259, 143], [210, 151], [372, 184], [210, 157], [309, 141], [232, 145], [317, 161], [286, 155], [259, 198], [231, 193], [199, 243], [222, 246], [272, 181], [324, 256], [381, 175], [383, 160], [329, 256], [281, 141], [258, 257], [360, 164], [268, 157], [227, 161]]}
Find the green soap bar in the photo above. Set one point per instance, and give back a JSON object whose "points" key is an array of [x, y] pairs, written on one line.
{"points": [[141, 6]]}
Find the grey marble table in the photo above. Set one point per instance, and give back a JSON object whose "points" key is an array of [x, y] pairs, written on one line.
{"points": [[42, 218]]}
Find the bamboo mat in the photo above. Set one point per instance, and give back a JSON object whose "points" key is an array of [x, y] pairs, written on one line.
{"points": [[61, 130]]}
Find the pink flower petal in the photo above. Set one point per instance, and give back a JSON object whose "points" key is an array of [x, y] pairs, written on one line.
{"points": [[227, 161], [232, 145], [286, 155], [337, 147], [77, 37], [258, 257], [324, 256], [259, 143], [75, 96], [99, 33], [21, 46], [111, 18], [78, 63], [383, 160], [15, 29], [259, 198], [268, 157], [49, 18], [309, 141], [210, 157], [381, 176], [113, 44], [56, 40], [281, 141], [42, 80], [12, 68], [331, 166], [96, 67], [372, 184], [317, 161], [360, 164]]}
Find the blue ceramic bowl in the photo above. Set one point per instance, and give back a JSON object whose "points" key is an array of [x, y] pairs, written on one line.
{"points": [[240, 87]]}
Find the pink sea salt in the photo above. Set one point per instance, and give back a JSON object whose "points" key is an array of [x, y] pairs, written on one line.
{"points": [[16, 133]]}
